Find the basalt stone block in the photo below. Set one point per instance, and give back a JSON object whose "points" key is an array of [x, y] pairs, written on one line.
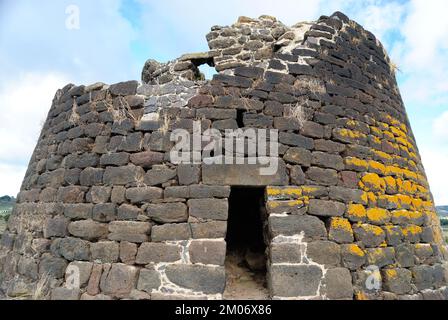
{"points": [[326, 160], [353, 257], [52, 266], [84, 268], [171, 232], [149, 280], [91, 176], [130, 231], [327, 177], [159, 175], [71, 194], [147, 159], [143, 194], [404, 255], [98, 194], [157, 252], [292, 225], [65, 294], [56, 227], [123, 175], [105, 251], [324, 252], [74, 249], [295, 280], [286, 252], [176, 192], [298, 156], [128, 252], [369, 235], [104, 212], [168, 212], [296, 140], [423, 277], [88, 229], [346, 195], [209, 280], [207, 252], [209, 230], [245, 174], [205, 191], [326, 208], [128, 212], [337, 284], [126, 88], [397, 280], [115, 159], [119, 280], [380, 256], [208, 209], [249, 72]]}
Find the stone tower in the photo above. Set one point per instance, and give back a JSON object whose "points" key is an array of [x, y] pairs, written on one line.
{"points": [[104, 212]]}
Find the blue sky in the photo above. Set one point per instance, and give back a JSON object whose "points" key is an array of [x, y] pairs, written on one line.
{"points": [[38, 55]]}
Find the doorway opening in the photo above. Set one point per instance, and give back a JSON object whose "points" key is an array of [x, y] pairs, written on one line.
{"points": [[246, 245]]}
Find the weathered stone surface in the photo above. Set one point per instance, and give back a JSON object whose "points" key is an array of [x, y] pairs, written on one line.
{"points": [[243, 175], [346, 195], [105, 251], [298, 156], [327, 177], [188, 174], [324, 252], [146, 159], [211, 229], [130, 231], [397, 280], [295, 224], [104, 212], [209, 280], [353, 257], [98, 194], [337, 284], [371, 236], [123, 175], [74, 249], [143, 194], [171, 232], [128, 252], [340, 230], [88, 229], [119, 280], [326, 208], [56, 227], [168, 212], [157, 252], [52, 266], [208, 209], [128, 212], [148, 280], [62, 293], [124, 88], [207, 252], [158, 175], [295, 281], [115, 159], [286, 253], [204, 191]]}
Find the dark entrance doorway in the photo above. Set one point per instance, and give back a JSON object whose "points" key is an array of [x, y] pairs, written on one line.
{"points": [[246, 247]]}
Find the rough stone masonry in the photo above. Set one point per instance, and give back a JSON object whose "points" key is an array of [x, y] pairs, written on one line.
{"points": [[348, 208]]}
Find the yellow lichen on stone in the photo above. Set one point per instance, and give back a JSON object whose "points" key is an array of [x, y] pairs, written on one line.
{"points": [[391, 184], [292, 192], [341, 223], [415, 215], [412, 229], [377, 167], [357, 163], [356, 211], [356, 250], [291, 203], [378, 215], [391, 273], [405, 201], [401, 215], [383, 155], [352, 134], [372, 229], [397, 132], [377, 132], [389, 135], [372, 182]]}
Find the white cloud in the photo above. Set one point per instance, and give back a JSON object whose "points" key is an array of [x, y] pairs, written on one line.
{"points": [[11, 179], [440, 128], [435, 161], [24, 104]]}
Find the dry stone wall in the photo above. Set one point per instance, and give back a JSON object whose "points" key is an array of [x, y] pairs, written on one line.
{"points": [[349, 206]]}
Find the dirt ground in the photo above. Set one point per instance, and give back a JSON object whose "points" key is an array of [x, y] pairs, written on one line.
{"points": [[243, 283]]}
